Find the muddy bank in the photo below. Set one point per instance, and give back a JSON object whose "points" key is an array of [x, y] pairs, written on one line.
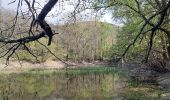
{"points": [[164, 81], [148, 75]]}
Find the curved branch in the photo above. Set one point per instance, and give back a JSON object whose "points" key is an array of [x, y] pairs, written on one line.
{"points": [[47, 8], [25, 39]]}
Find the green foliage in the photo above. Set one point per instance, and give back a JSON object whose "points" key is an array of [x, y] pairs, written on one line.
{"points": [[126, 36], [131, 15]]}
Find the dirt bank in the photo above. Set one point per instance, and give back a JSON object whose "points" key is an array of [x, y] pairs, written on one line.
{"points": [[147, 74]]}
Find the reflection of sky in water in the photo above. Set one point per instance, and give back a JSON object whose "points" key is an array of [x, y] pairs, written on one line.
{"points": [[60, 15]]}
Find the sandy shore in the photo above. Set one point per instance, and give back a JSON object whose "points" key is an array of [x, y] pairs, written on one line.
{"points": [[16, 67]]}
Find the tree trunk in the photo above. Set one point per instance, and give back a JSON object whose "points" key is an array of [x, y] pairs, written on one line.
{"points": [[164, 50], [168, 47]]}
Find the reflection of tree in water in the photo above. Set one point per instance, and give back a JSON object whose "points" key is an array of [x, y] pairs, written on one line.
{"points": [[28, 87], [72, 85]]}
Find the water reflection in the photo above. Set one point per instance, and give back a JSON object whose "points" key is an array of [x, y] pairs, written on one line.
{"points": [[54, 86]]}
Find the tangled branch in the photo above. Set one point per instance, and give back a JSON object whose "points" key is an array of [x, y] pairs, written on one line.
{"points": [[154, 27], [16, 43]]}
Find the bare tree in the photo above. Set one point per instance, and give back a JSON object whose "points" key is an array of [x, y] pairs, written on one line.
{"points": [[36, 20]]}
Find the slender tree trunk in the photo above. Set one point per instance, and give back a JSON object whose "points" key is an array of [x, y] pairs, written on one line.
{"points": [[101, 51], [164, 46], [83, 54], [168, 47]]}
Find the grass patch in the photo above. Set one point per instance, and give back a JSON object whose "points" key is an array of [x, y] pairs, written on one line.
{"points": [[80, 71]]}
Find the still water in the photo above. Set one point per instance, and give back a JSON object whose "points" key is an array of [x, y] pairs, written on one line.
{"points": [[75, 84]]}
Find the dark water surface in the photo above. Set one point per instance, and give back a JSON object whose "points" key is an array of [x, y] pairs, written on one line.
{"points": [[75, 84]]}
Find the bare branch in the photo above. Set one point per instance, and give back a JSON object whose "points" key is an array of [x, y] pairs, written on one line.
{"points": [[25, 39]]}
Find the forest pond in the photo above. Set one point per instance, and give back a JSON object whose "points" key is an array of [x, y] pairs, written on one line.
{"points": [[97, 83]]}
